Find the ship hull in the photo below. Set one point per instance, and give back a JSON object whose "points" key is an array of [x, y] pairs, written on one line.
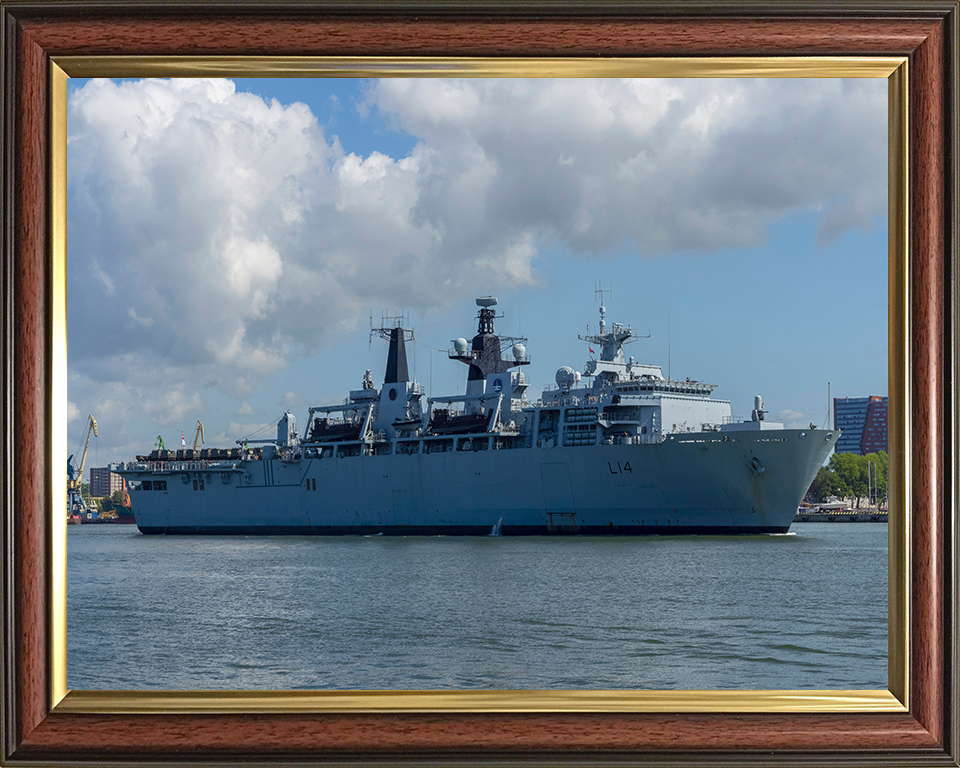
{"points": [[697, 483]]}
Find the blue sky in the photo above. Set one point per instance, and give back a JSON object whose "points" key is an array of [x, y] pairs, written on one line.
{"points": [[229, 241]]}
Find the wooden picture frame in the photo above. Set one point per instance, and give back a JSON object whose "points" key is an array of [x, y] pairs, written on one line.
{"points": [[917, 722]]}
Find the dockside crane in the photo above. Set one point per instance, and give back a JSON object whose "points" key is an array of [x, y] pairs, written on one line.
{"points": [[75, 503], [198, 435]]}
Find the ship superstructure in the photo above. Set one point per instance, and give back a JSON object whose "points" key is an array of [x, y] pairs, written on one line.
{"points": [[616, 450]]}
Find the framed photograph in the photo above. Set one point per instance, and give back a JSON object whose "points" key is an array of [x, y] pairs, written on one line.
{"points": [[46, 44]]}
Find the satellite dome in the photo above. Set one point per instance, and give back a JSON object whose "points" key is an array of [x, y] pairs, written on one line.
{"points": [[519, 351], [486, 301], [460, 345], [566, 377]]}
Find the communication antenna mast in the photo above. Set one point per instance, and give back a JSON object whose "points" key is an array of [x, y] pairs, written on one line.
{"points": [[598, 291], [388, 323], [393, 329], [827, 417]]}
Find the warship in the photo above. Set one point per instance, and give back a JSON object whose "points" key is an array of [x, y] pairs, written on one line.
{"points": [[615, 450]]}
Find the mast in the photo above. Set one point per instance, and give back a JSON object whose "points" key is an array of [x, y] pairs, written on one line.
{"points": [[394, 332], [485, 355], [603, 309], [610, 343]]}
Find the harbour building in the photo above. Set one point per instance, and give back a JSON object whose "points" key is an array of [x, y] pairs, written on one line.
{"points": [[103, 482], [863, 424]]}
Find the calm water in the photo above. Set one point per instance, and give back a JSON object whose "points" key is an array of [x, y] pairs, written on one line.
{"points": [[803, 610]]}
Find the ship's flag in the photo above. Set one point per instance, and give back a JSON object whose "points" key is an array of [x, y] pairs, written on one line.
{"points": [[183, 440], [591, 350]]}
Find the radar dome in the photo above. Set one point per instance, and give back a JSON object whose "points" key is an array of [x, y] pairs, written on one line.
{"points": [[519, 351], [566, 377], [486, 301], [460, 345]]}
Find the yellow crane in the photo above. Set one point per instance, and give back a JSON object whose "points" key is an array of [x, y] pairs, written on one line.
{"points": [[76, 507], [198, 435], [76, 481]]}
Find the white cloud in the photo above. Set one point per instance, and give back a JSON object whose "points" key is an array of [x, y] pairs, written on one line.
{"points": [[662, 165], [223, 233], [251, 269], [108, 286], [146, 322], [171, 406], [793, 419]]}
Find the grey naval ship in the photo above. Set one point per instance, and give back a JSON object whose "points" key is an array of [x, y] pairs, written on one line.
{"points": [[616, 450]]}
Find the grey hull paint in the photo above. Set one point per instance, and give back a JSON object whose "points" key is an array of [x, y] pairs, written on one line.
{"points": [[460, 531], [704, 483]]}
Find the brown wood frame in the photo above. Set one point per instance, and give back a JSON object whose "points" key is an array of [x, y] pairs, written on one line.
{"points": [[925, 32]]}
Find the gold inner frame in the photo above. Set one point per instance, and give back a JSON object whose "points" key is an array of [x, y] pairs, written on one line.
{"points": [[894, 69]]}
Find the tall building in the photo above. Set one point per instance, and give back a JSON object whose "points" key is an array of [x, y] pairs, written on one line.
{"points": [[862, 422], [103, 482]]}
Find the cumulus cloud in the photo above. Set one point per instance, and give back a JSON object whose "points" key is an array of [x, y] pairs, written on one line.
{"points": [[213, 234], [292, 400], [651, 165], [793, 419]]}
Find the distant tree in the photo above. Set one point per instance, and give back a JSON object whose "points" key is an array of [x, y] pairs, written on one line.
{"points": [[850, 475], [822, 486], [117, 498]]}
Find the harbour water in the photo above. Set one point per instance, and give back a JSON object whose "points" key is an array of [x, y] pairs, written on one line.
{"points": [[804, 610]]}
